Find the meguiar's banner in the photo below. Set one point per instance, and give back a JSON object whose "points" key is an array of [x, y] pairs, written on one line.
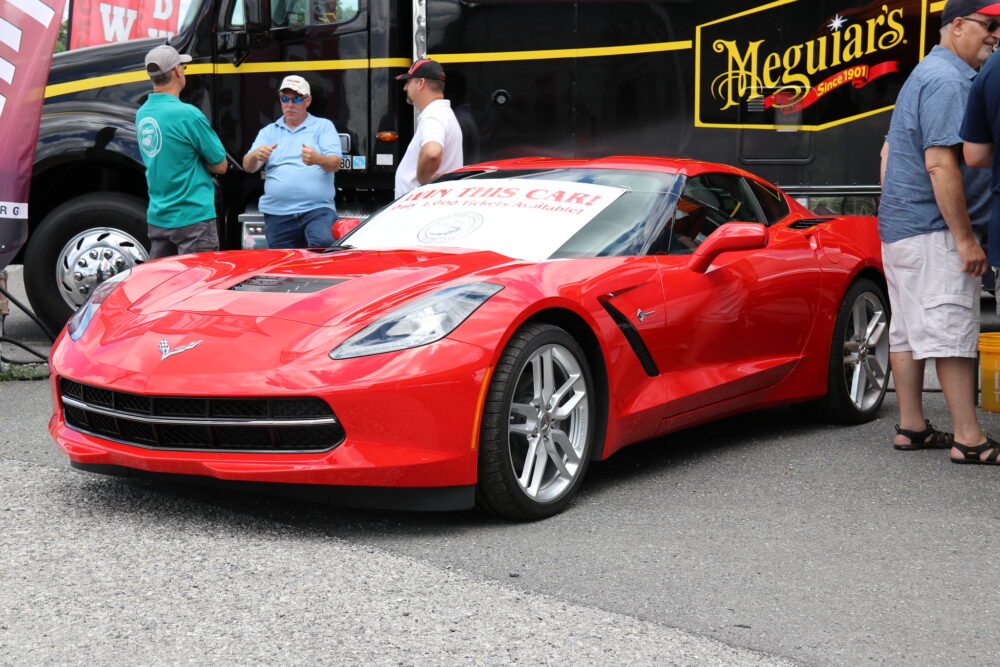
{"points": [[752, 71], [105, 21], [28, 32]]}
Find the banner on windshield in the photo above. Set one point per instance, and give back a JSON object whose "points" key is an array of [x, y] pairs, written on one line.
{"points": [[105, 21], [28, 32]]}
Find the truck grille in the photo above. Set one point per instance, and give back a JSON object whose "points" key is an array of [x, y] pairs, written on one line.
{"points": [[288, 425]]}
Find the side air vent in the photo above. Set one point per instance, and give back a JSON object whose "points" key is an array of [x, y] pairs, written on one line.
{"points": [[807, 224], [286, 284]]}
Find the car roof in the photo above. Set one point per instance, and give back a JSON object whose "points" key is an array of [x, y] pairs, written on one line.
{"points": [[684, 166]]}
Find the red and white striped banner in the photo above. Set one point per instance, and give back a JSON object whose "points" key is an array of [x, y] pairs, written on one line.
{"points": [[105, 21], [28, 32]]}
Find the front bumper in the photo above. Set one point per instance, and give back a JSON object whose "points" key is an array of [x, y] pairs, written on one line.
{"points": [[411, 421], [414, 499]]}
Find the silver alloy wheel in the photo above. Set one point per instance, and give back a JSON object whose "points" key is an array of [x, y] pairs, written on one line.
{"points": [[866, 351], [548, 423], [93, 256]]}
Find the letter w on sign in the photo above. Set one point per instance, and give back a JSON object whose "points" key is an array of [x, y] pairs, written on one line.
{"points": [[28, 31], [106, 21]]}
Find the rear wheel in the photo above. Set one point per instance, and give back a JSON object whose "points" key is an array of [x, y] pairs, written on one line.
{"points": [[77, 246], [537, 432], [859, 356]]}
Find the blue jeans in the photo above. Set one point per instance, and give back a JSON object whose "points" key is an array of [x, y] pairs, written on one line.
{"points": [[311, 229]]}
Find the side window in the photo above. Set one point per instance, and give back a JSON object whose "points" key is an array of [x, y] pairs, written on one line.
{"points": [[298, 13], [237, 16], [707, 202], [771, 201]]}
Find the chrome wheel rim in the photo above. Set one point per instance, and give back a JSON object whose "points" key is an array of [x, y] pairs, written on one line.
{"points": [[93, 256], [548, 423], [866, 352]]}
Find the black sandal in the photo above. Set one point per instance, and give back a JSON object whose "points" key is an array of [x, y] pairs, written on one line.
{"points": [[929, 438], [972, 454]]}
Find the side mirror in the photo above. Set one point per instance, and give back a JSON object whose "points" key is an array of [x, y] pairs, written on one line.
{"points": [[343, 227], [729, 237]]}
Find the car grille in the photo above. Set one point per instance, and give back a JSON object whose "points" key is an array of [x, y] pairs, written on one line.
{"points": [[302, 424]]}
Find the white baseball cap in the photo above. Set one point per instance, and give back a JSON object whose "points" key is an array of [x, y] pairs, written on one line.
{"points": [[164, 58], [296, 83]]}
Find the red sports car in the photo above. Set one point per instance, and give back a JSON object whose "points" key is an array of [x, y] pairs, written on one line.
{"points": [[479, 340]]}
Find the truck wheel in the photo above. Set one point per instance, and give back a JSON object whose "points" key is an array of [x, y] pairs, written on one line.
{"points": [[77, 246]]}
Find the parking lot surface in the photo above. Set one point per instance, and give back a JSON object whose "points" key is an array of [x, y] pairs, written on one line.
{"points": [[761, 539]]}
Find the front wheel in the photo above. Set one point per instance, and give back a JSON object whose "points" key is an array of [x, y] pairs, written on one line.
{"points": [[77, 246], [859, 356], [537, 432]]}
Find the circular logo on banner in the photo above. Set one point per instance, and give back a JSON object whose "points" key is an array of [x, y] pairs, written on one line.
{"points": [[450, 228], [150, 137]]}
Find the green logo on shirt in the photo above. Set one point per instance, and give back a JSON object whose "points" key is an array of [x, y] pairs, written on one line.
{"points": [[150, 137]]}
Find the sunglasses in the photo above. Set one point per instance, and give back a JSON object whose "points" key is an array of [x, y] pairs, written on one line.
{"points": [[294, 100], [991, 26]]}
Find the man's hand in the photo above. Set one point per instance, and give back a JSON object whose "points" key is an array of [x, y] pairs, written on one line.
{"points": [[253, 161], [972, 256], [264, 152], [942, 164], [310, 156]]}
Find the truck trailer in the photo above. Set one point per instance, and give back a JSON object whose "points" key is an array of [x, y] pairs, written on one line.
{"points": [[797, 91]]}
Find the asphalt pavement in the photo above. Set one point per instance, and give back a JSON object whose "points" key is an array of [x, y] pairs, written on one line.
{"points": [[761, 539]]}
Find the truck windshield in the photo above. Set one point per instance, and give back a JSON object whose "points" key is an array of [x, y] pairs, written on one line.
{"points": [[534, 216], [189, 10]]}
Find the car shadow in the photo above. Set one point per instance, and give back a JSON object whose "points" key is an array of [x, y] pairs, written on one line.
{"points": [[170, 502]]}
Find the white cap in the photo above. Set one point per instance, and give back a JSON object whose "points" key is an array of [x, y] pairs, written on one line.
{"points": [[164, 58], [296, 83]]}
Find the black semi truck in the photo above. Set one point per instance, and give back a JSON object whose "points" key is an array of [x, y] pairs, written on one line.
{"points": [[798, 91]]}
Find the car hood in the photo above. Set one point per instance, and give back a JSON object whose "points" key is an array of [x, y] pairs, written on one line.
{"points": [[334, 289]]}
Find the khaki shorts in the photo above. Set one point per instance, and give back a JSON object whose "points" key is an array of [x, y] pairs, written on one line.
{"points": [[935, 305]]}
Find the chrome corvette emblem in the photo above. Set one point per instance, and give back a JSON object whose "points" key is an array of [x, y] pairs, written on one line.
{"points": [[167, 352], [643, 314]]}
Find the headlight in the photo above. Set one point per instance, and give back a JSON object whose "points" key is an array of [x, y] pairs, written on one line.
{"points": [[426, 320], [81, 319]]}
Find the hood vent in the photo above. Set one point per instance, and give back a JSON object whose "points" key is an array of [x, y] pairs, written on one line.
{"points": [[285, 284], [806, 224]]}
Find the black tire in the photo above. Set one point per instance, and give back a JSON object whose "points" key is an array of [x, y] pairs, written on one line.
{"points": [[859, 352], [504, 441], [52, 297]]}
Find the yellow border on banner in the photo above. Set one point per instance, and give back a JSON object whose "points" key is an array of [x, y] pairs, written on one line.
{"points": [[550, 54], [928, 7]]}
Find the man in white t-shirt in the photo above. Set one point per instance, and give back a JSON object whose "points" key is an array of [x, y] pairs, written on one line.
{"points": [[437, 142]]}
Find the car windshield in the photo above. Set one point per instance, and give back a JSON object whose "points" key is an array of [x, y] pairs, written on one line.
{"points": [[531, 215]]}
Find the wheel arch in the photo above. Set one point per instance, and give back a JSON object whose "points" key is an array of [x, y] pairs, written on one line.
{"points": [[871, 273], [79, 154], [578, 328]]}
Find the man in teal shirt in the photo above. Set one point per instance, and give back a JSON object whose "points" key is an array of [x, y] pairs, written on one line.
{"points": [[181, 152]]}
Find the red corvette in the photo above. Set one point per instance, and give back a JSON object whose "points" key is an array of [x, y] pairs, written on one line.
{"points": [[481, 339]]}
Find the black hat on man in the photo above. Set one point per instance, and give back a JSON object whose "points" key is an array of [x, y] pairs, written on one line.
{"points": [[954, 9], [424, 69]]}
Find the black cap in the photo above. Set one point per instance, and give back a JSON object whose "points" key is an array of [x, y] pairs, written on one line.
{"points": [[424, 69], [954, 9]]}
